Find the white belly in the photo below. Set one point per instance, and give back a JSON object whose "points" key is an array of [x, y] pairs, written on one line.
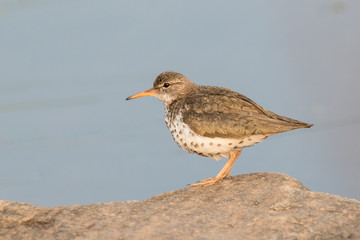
{"points": [[210, 147]]}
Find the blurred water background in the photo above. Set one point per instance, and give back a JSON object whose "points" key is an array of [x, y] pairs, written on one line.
{"points": [[67, 135]]}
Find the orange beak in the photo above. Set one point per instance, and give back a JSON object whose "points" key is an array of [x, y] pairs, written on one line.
{"points": [[149, 92]]}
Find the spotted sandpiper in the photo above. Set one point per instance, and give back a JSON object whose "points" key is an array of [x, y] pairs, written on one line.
{"points": [[214, 122]]}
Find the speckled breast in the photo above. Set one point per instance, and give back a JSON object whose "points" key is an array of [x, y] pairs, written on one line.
{"points": [[215, 148]]}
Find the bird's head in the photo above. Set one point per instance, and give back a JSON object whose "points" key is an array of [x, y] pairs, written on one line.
{"points": [[168, 86]]}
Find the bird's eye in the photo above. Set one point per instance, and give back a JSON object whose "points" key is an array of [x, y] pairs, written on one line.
{"points": [[166, 85]]}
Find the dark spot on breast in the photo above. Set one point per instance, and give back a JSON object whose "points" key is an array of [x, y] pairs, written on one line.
{"points": [[202, 144], [241, 141], [249, 139], [218, 153], [177, 135], [211, 144], [196, 145], [192, 143], [236, 146], [180, 132], [200, 153], [185, 145], [230, 144], [219, 145], [181, 139]]}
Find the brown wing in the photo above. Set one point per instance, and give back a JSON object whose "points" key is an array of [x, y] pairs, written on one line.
{"points": [[220, 112]]}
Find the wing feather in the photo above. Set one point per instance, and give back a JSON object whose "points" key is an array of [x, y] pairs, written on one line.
{"points": [[220, 112]]}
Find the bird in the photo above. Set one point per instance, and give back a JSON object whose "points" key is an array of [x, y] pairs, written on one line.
{"points": [[214, 122]]}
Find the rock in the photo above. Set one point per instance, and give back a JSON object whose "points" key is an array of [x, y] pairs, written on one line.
{"points": [[251, 206]]}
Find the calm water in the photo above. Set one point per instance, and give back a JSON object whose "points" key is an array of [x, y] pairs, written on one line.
{"points": [[68, 136]]}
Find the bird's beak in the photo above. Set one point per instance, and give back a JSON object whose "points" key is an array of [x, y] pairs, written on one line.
{"points": [[149, 92]]}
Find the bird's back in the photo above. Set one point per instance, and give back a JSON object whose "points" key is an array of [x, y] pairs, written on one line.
{"points": [[221, 112]]}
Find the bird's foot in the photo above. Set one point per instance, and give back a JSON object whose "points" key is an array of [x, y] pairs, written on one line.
{"points": [[206, 182]]}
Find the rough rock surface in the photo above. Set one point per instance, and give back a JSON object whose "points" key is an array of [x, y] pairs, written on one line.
{"points": [[251, 206]]}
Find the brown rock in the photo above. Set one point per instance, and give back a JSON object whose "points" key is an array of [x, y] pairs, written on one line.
{"points": [[251, 206]]}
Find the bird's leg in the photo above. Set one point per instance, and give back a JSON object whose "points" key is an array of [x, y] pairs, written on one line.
{"points": [[222, 174]]}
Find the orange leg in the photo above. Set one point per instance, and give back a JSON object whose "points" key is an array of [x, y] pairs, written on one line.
{"points": [[225, 171]]}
